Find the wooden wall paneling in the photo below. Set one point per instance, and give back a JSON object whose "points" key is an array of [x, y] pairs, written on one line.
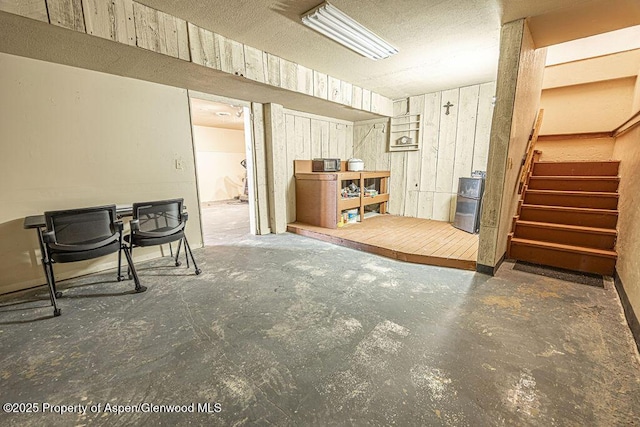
{"points": [[291, 143], [347, 93], [341, 133], [335, 88], [376, 104], [275, 139], [414, 161], [318, 133], [365, 145], [466, 132], [383, 156], [452, 207], [333, 141], [34, 9], [356, 97], [326, 135], [397, 184], [174, 36], [386, 106], [231, 55], [146, 23], [320, 85], [425, 204], [288, 75], [305, 80], [273, 70], [366, 99], [447, 142], [430, 135], [112, 20], [369, 144], [260, 169], [203, 47], [382, 105], [413, 193], [398, 180], [483, 126], [348, 153], [362, 144], [441, 206], [66, 14], [254, 64], [400, 106], [302, 129]]}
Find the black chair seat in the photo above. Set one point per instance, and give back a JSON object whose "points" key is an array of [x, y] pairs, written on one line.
{"points": [[160, 222], [72, 256], [152, 241]]}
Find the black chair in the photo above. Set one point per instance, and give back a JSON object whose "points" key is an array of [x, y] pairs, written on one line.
{"points": [[159, 222], [81, 234]]}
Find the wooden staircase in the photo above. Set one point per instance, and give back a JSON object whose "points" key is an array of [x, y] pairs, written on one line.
{"points": [[567, 217]]}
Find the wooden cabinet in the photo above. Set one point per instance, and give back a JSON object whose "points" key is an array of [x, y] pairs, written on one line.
{"points": [[320, 199]]}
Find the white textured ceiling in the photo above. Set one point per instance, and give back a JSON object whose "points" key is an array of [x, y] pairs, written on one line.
{"points": [[216, 114], [443, 43]]}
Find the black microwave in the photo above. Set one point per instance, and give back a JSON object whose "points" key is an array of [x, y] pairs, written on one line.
{"points": [[325, 165]]}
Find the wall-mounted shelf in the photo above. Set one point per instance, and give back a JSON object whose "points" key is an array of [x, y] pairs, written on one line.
{"points": [[404, 134]]}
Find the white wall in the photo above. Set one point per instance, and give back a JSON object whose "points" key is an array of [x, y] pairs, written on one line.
{"points": [[73, 138], [218, 154]]}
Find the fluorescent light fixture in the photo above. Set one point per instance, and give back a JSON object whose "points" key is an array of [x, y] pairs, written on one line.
{"points": [[333, 23]]}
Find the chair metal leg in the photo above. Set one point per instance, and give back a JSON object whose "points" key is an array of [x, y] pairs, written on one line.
{"points": [[178, 263], [188, 248], [52, 289], [129, 263], [132, 269], [48, 273], [170, 250], [186, 254], [120, 276], [56, 292]]}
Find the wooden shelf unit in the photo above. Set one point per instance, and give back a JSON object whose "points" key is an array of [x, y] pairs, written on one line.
{"points": [[319, 200], [405, 126]]}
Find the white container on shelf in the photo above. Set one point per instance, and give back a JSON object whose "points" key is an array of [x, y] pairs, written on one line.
{"points": [[355, 165]]}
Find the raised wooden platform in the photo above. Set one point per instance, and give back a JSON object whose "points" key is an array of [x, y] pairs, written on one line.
{"points": [[421, 241]]}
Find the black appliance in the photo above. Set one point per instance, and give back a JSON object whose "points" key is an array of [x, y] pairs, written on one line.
{"points": [[468, 204], [325, 165]]}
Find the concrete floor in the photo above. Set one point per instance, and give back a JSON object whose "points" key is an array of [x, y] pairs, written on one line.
{"points": [[285, 330]]}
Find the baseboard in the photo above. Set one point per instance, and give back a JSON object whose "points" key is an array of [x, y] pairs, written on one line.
{"points": [[629, 314], [487, 269]]}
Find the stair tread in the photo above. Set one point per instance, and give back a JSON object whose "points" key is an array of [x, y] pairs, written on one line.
{"points": [[578, 163], [577, 177], [575, 193], [567, 248], [581, 228], [570, 208]]}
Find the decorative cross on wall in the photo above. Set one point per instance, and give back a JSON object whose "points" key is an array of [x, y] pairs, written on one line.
{"points": [[447, 106]]}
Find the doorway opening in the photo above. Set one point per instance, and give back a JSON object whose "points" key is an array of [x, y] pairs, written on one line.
{"points": [[222, 153]]}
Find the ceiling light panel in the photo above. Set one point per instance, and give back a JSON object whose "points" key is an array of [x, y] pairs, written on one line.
{"points": [[335, 24]]}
